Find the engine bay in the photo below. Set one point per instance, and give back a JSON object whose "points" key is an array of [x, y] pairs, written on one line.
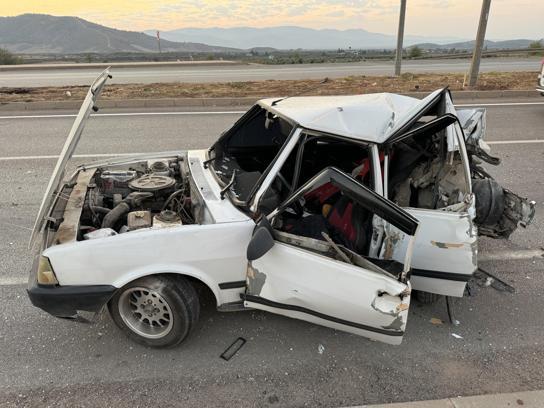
{"points": [[147, 194], [110, 200]]}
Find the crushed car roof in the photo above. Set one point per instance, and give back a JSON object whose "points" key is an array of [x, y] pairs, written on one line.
{"points": [[370, 117]]}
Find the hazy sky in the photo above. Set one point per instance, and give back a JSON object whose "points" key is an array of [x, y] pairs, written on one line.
{"points": [[452, 18]]}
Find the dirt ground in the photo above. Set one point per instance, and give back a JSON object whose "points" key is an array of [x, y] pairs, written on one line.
{"points": [[348, 85]]}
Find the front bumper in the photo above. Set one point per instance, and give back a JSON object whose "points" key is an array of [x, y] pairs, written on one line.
{"points": [[66, 301]]}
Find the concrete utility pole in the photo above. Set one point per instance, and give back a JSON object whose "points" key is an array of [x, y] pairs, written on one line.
{"points": [[400, 37], [159, 40], [478, 46]]}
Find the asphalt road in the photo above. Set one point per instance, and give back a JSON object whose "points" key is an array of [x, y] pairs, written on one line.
{"points": [[45, 361], [61, 77]]}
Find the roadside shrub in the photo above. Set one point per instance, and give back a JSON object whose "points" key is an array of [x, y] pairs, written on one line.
{"points": [[536, 45], [407, 76], [415, 52], [8, 58]]}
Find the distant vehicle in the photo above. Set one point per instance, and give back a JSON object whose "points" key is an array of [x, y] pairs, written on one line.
{"points": [[540, 86], [325, 209]]}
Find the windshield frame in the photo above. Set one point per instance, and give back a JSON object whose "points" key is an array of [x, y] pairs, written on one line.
{"points": [[230, 193]]}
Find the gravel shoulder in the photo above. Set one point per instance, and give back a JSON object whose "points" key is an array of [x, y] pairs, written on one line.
{"points": [[408, 82]]}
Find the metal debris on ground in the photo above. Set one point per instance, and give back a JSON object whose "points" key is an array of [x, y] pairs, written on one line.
{"points": [[233, 348], [320, 349], [484, 279], [456, 336], [449, 307]]}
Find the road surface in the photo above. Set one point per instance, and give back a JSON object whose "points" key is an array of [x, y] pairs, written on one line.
{"points": [[48, 362], [61, 77]]}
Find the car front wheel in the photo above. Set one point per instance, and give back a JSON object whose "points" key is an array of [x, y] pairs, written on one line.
{"points": [[156, 311]]}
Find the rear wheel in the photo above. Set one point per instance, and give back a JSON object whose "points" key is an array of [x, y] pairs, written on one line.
{"points": [[156, 311], [426, 298]]}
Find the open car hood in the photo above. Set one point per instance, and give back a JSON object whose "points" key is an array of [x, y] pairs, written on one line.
{"points": [[55, 182]]}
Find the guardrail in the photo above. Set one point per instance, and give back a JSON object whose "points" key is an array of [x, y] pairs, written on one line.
{"points": [[487, 53]]}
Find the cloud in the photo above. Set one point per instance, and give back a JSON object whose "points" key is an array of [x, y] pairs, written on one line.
{"points": [[456, 18]]}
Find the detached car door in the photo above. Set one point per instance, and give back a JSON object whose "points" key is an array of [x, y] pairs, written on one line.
{"points": [[324, 283]]}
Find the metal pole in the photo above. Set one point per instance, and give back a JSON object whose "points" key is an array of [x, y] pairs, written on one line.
{"points": [[400, 37], [478, 46]]}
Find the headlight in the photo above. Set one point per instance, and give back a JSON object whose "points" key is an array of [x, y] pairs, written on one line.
{"points": [[46, 276]]}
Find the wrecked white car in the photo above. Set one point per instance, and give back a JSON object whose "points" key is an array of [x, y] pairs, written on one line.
{"points": [[325, 209], [540, 82]]}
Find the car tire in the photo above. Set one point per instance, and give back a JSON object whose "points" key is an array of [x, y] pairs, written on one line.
{"points": [[156, 311], [426, 298]]}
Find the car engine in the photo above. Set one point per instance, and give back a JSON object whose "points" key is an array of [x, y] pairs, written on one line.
{"points": [[148, 194]]}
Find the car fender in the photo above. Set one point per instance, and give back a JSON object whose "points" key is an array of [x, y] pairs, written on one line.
{"points": [[182, 270]]}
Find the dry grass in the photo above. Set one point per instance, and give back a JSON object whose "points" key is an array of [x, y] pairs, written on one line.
{"points": [[348, 85]]}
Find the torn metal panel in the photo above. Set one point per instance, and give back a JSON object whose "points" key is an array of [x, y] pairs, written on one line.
{"points": [[396, 324], [255, 280], [437, 183], [391, 240], [389, 305], [447, 245], [474, 123], [68, 229]]}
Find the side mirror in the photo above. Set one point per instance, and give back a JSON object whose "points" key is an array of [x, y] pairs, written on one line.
{"points": [[264, 222], [261, 242]]}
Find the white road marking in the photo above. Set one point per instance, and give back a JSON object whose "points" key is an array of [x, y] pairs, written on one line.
{"points": [[504, 142], [9, 224], [188, 113], [100, 155], [511, 255], [490, 256], [75, 156], [501, 104], [11, 281]]}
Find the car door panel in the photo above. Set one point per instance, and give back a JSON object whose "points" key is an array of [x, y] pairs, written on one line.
{"points": [[317, 289], [445, 251], [307, 283]]}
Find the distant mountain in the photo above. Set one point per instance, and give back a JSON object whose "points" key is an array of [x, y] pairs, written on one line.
{"points": [[289, 37], [469, 45], [39, 33]]}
